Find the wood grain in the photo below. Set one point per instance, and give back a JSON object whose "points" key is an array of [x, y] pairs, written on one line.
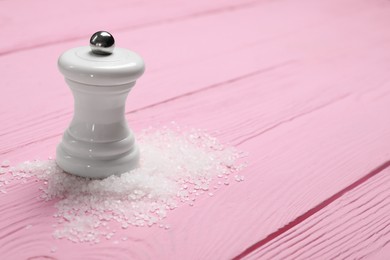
{"points": [[381, 254], [253, 201], [274, 176], [304, 95], [354, 226], [27, 27], [250, 53]]}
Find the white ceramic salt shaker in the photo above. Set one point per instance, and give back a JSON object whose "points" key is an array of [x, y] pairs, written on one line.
{"points": [[98, 143]]}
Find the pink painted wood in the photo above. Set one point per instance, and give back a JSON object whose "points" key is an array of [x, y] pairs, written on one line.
{"points": [[303, 86], [354, 225]]}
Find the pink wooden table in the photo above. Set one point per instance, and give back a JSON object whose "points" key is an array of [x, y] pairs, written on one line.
{"points": [[302, 86]]}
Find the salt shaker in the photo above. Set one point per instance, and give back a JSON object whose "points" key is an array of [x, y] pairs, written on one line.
{"points": [[98, 143]]}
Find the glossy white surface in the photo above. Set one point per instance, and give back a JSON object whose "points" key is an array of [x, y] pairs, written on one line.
{"points": [[81, 65], [98, 142]]}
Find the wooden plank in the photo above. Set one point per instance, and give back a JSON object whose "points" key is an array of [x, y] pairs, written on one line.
{"points": [[164, 63], [276, 191], [170, 70], [71, 20], [26, 27], [280, 100], [285, 176], [381, 254], [354, 226]]}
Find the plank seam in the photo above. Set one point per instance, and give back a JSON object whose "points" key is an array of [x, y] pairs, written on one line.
{"points": [[331, 102], [205, 13], [219, 84], [213, 86], [312, 211]]}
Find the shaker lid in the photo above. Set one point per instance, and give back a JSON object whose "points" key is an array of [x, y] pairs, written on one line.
{"points": [[100, 63]]}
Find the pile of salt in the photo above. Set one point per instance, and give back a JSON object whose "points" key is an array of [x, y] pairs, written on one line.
{"points": [[176, 167]]}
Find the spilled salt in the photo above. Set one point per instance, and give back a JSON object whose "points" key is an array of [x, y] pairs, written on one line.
{"points": [[176, 167], [239, 178]]}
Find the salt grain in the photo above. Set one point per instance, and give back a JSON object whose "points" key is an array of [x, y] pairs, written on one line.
{"points": [[176, 166], [239, 178], [28, 226], [5, 163]]}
